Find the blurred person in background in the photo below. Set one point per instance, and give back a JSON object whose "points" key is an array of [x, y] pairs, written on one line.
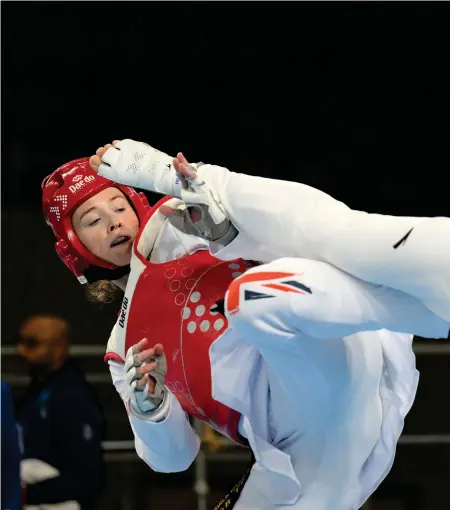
{"points": [[10, 488], [60, 420], [286, 355]]}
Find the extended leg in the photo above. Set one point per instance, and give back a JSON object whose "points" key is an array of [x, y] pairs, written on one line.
{"points": [[319, 300]]}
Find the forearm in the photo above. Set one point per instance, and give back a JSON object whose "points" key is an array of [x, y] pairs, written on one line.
{"points": [[169, 444], [164, 439]]}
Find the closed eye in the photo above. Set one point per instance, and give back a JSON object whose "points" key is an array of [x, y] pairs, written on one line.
{"points": [[92, 223]]}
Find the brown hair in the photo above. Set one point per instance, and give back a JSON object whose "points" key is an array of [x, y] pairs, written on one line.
{"points": [[103, 293]]}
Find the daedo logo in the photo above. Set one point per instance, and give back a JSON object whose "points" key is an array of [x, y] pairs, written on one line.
{"points": [[123, 312], [81, 182]]}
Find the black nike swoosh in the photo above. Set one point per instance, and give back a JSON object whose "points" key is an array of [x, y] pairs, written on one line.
{"points": [[403, 239]]}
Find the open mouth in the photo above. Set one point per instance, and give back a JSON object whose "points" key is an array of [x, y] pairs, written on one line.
{"points": [[120, 240]]}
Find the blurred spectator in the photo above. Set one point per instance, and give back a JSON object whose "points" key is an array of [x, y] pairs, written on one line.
{"points": [[10, 453], [61, 422]]}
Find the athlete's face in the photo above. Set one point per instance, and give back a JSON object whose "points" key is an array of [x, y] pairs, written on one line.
{"points": [[107, 225]]}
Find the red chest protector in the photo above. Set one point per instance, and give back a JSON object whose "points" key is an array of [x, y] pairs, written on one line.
{"points": [[170, 303]]}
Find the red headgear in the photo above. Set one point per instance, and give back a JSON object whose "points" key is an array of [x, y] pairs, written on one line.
{"points": [[62, 192]]}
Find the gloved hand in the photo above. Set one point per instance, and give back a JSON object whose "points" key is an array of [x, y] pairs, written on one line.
{"points": [[145, 371], [137, 164], [203, 215], [196, 220]]}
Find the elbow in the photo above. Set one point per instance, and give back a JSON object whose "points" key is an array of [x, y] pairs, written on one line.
{"points": [[168, 465], [175, 467], [182, 462]]}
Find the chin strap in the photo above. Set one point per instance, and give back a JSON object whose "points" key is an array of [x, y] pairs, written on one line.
{"points": [[96, 273]]}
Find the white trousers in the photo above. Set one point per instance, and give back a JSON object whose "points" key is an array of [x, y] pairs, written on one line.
{"points": [[340, 384]]}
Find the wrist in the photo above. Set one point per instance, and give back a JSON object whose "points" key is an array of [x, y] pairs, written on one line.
{"points": [[155, 414]]}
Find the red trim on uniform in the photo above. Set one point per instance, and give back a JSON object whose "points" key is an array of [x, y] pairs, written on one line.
{"points": [[234, 290], [283, 288], [113, 356]]}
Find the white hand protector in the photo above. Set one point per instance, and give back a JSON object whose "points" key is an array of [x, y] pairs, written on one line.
{"points": [[141, 398], [141, 166], [203, 216]]}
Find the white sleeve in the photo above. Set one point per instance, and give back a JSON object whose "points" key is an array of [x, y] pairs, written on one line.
{"points": [[294, 220], [168, 443]]}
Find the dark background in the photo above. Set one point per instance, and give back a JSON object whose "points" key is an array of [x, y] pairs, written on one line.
{"points": [[352, 98]]}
